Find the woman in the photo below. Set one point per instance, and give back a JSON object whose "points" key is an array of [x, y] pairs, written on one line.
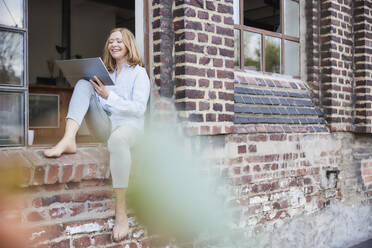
{"points": [[114, 113]]}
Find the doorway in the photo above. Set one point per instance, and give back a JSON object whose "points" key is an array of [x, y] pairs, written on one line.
{"points": [[69, 29]]}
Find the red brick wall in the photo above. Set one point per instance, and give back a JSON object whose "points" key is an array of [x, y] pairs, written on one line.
{"points": [[313, 49], [338, 66], [65, 202], [363, 65], [336, 63], [277, 176], [203, 61]]}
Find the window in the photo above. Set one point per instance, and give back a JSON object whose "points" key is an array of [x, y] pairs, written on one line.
{"points": [[13, 71], [267, 36]]}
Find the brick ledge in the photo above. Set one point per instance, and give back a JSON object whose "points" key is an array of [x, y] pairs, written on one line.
{"points": [[90, 162]]}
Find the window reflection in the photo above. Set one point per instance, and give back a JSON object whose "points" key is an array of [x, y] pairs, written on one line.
{"points": [[236, 11], [11, 58], [292, 58], [272, 54], [11, 13], [237, 47], [263, 14], [291, 18], [252, 51], [11, 118]]}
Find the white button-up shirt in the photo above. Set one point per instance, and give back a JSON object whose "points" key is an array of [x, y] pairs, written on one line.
{"points": [[128, 97]]}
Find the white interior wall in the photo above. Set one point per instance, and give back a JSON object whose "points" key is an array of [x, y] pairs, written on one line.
{"points": [[90, 24], [43, 36]]}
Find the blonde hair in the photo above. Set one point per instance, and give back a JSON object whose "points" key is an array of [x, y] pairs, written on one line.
{"points": [[133, 56]]}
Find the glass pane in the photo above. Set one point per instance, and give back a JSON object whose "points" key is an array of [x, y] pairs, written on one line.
{"points": [[292, 58], [291, 18], [237, 48], [272, 54], [11, 13], [252, 51], [263, 14], [236, 11], [11, 58], [11, 119], [43, 111]]}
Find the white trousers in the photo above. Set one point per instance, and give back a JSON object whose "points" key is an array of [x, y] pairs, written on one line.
{"points": [[84, 103]]}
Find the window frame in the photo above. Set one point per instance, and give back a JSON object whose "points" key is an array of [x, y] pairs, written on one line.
{"points": [[242, 28], [21, 89]]}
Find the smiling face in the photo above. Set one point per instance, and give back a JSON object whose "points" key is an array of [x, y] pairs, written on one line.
{"points": [[116, 47], [120, 47]]}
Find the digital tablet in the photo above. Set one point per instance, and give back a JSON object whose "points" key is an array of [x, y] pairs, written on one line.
{"points": [[76, 69]]}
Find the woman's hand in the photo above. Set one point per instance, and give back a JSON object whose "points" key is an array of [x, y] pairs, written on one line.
{"points": [[100, 88]]}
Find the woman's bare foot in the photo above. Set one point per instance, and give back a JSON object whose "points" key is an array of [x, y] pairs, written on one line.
{"points": [[65, 145], [121, 227]]}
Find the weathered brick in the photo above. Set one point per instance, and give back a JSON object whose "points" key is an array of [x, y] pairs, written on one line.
{"points": [[209, 27], [195, 94], [58, 212], [203, 106], [211, 73], [76, 209], [102, 239], [217, 84], [252, 148], [203, 15], [78, 173], [225, 31], [228, 20], [217, 107], [39, 175], [61, 198], [58, 244], [53, 172], [196, 118], [192, 47], [44, 233], [212, 50], [203, 82], [211, 117], [212, 95], [204, 60], [82, 242], [216, 18], [217, 62], [210, 5], [229, 42], [202, 37], [193, 25], [226, 52], [222, 8], [216, 130], [229, 107], [186, 58], [216, 40], [225, 74], [242, 149]]}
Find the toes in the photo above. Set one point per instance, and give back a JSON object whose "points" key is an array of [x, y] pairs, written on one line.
{"points": [[115, 235], [47, 153]]}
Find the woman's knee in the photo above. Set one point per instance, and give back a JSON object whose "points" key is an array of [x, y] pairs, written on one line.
{"points": [[84, 84], [117, 142]]}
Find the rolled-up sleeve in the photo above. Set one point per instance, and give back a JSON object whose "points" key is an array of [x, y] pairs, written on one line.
{"points": [[137, 105]]}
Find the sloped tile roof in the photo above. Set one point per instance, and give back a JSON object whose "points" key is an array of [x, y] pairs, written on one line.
{"points": [[274, 105]]}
